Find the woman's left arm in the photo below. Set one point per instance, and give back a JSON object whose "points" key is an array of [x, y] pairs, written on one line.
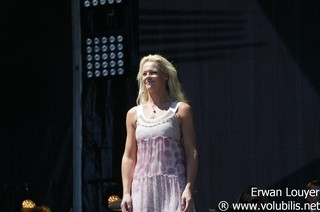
{"points": [[191, 155]]}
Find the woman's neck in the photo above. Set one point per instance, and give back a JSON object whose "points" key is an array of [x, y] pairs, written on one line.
{"points": [[159, 99]]}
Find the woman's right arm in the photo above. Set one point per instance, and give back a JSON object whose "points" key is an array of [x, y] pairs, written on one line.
{"points": [[129, 159]]}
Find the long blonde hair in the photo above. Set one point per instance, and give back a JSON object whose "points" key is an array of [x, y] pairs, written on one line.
{"points": [[173, 86]]}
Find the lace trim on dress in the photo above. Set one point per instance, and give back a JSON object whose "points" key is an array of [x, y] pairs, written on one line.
{"points": [[150, 122], [160, 120]]}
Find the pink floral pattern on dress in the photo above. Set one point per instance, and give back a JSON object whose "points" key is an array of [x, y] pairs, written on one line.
{"points": [[159, 176]]}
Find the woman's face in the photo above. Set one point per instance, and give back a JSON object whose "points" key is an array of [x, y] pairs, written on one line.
{"points": [[152, 77]]}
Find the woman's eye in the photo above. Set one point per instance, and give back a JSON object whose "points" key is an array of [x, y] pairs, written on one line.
{"points": [[155, 72]]}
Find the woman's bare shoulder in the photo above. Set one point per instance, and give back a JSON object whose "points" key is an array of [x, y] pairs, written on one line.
{"points": [[184, 107], [132, 110], [132, 114]]}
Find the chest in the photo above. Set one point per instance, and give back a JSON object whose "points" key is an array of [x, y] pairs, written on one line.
{"points": [[169, 128]]}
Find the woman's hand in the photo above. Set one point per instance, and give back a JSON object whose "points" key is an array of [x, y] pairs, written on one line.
{"points": [[126, 203], [187, 203]]}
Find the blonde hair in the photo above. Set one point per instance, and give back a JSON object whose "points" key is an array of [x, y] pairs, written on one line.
{"points": [[174, 87]]}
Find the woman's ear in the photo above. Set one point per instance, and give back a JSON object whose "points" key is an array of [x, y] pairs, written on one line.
{"points": [[166, 77]]}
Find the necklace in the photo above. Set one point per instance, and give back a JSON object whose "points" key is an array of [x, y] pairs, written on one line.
{"points": [[154, 106], [153, 109]]}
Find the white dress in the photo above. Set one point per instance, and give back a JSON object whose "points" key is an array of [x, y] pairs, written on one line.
{"points": [[159, 176]]}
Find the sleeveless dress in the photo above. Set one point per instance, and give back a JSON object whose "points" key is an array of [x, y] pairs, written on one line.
{"points": [[159, 176]]}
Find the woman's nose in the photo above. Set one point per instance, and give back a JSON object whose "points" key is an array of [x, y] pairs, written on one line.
{"points": [[148, 75]]}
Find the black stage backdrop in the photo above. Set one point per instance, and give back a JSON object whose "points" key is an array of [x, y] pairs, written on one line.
{"points": [[250, 69], [36, 114]]}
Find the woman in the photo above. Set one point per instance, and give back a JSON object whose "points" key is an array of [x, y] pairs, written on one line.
{"points": [[159, 164]]}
